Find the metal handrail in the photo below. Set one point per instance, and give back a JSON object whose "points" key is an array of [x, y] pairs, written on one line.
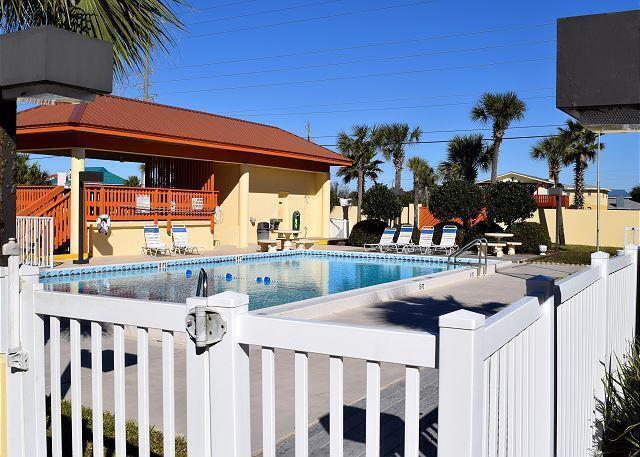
{"points": [[203, 285], [477, 241]]}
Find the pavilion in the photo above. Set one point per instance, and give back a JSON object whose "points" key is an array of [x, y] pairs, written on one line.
{"points": [[194, 163]]}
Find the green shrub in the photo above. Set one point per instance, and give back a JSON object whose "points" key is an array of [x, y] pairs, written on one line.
{"points": [[531, 235], [365, 232], [456, 200], [509, 202], [478, 230], [380, 202], [618, 428]]}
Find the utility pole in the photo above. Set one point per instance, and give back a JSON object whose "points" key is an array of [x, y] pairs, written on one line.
{"points": [[146, 75], [308, 131]]}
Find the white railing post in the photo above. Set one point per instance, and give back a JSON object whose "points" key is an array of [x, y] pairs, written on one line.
{"points": [[225, 371], [544, 377], [461, 384], [632, 250], [601, 260]]}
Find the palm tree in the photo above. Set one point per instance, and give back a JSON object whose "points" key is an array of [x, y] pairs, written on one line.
{"points": [[582, 147], [465, 156], [501, 109], [553, 150], [418, 167], [359, 147], [132, 27], [392, 139]]}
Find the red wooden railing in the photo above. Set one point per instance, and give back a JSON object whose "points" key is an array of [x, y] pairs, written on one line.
{"points": [[26, 195], [549, 201], [121, 203]]}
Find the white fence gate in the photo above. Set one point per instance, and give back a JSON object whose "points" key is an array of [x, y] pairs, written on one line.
{"points": [[524, 382], [35, 239], [520, 383]]}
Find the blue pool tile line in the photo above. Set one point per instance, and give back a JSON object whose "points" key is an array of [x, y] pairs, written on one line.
{"points": [[161, 264]]}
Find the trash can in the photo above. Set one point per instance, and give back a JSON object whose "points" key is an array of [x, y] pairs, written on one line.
{"points": [[263, 231]]}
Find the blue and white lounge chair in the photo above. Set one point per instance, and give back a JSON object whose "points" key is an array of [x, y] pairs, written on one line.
{"points": [[152, 243], [386, 240], [181, 241], [403, 243], [448, 240], [426, 240]]}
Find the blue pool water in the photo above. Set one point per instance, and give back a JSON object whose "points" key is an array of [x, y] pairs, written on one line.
{"points": [[292, 277]]}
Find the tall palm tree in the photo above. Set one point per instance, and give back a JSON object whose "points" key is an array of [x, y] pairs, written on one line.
{"points": [[501, 109], [582, 147], [552, 149], [360, 148], [465, 156], [419, 168], [132, 27], [392, 139]]}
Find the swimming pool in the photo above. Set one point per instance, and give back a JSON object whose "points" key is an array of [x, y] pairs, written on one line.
{"points": [[293, 276]]}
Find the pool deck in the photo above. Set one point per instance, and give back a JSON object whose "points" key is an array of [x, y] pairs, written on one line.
{"points": [[418, 312]]}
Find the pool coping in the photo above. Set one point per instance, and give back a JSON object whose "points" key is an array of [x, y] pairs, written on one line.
{"points": [[312, 308], [316, 306]]}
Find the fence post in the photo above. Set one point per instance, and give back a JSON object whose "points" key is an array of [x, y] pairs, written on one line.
{"points": [[461, 384], [543, 287], [632, 249], [227, 407], [601, 260]]}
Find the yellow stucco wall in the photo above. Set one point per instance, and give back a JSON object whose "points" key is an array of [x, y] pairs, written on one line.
{"points": [[590, 199], [273, 193], [337, 212], [580, 225], [127, 238]]}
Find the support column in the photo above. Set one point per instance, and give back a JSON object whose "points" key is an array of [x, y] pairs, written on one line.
{"points": [[326, 205], [243, 206], [77, 165]]}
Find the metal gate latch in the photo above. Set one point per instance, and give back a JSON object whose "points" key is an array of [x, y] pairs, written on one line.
{"points": [[205, 327]]}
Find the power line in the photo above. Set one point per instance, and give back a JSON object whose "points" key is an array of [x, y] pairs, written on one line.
{"points": [[363, 46], [372, 75], [399, 99], [223, 5], [353, 62], [387, 108], [468, 130], [259, 13], [310, 19], [524, 137]]}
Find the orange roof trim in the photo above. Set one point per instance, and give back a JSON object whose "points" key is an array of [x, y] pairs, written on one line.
{"points": [[135, 118]]}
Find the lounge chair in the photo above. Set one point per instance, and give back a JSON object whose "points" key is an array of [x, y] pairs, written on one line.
{"points": [[403, 242], [181, 241], [386, 240], [448, 240], [153, 245], [426, 240]]}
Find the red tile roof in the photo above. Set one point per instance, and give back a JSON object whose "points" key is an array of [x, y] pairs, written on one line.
{"points": [[128, 115]]}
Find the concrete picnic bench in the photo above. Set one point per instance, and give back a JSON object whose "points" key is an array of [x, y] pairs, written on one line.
{"points": [[499, 244]]}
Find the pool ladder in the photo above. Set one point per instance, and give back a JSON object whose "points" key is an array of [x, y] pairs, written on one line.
{"points": [[483, 247], [203, 286]]}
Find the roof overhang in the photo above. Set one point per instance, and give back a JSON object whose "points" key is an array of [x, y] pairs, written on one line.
{"points": [[111, 144]]}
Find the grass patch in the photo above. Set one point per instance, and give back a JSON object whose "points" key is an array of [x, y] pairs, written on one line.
{"points": [[574, 254], [155, 436]]}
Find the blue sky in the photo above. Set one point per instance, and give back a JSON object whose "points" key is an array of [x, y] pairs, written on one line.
{"points": [[335, 63]]}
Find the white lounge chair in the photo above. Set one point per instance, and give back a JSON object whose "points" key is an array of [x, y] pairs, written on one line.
{"points": [[448, 240], [153, 245], [181, 241], [426, 240], [403, 243], [386, 240]]}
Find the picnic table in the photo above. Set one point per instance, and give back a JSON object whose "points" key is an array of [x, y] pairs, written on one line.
{"points": [[499, 244], [285, 237]]}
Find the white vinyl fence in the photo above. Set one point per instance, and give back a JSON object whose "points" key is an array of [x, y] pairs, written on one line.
{"points": [[524, 382], [35, 239]]}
